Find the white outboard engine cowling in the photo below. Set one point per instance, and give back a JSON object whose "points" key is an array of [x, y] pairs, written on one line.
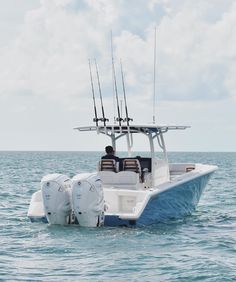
{"points": [[88, 200], [56, 194]]}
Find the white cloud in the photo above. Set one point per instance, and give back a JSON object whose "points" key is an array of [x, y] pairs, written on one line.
{"points": [[50, 54], [49, 57], [195, 40]]}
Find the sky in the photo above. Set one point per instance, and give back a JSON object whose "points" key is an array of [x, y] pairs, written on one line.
{"points": [[45, 88]]}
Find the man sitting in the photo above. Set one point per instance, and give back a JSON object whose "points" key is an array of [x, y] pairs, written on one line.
{"points": [[110, 154]]}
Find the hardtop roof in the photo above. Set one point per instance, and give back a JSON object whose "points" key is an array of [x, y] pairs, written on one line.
{"points": [[132, 128]]}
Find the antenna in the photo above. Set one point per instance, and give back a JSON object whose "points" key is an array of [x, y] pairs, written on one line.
{"points": [[119, 119], [154, 79], [94, 102], [100, 93]]}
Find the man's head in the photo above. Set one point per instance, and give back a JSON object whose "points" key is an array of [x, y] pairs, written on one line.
{"points": [[109, 150]]}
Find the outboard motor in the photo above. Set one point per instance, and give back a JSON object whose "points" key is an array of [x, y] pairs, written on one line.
{"points": [[88, 200], [56, 194]]}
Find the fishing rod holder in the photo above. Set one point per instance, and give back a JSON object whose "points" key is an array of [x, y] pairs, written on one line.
{"points": [[119, 119], [128, 119], [96, 119], [100, 119], [104, 119]]}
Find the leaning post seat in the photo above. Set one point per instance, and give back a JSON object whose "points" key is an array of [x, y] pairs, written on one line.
{"points": [[132, 165], [108, 165]]}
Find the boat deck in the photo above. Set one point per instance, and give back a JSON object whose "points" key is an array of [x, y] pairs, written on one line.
{"points": [[177, 170]]}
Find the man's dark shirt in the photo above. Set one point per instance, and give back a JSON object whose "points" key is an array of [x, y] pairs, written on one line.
{"points": [[111, 157]]}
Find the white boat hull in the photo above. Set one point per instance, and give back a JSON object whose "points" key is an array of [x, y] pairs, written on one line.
{"points": [[128, 207], [176, 201]]}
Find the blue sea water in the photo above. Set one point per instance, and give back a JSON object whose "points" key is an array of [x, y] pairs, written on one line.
{"points": [[200, 247]]}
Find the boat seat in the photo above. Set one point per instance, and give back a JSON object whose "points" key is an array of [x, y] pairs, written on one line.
{"points": [[132, 165], [108, 165], [107, 177], [122, 179], [127, 178]]}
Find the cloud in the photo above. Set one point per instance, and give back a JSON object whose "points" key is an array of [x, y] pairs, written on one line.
{"points": [[195, 47]]}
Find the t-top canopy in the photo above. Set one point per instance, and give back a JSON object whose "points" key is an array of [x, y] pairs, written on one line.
{"points": [[147, 129]]}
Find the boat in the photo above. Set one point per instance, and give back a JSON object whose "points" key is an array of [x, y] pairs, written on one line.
{"points": [[134, 191], [138, 191]]}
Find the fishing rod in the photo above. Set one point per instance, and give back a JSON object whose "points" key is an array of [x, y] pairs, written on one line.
{"points": [[119, 119], [94, 102], [104, 119], [127, 119]]}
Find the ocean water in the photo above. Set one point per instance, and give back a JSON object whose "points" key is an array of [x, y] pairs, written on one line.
{"points": [[200, 247]]}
